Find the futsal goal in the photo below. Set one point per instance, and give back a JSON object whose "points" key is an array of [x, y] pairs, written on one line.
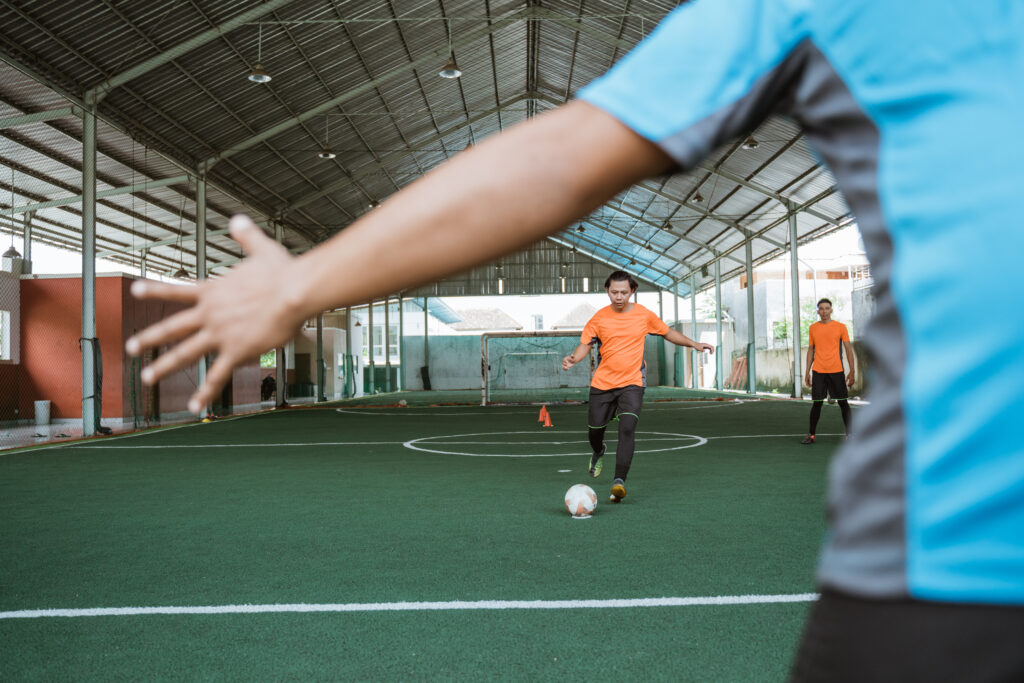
{"points": [[526, 367]]}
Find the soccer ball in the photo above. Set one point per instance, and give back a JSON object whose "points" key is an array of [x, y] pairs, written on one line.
{"points": [[580, 500], [403, 403]]}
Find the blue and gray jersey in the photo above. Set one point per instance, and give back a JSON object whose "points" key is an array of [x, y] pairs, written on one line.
{"points": [[916, 106]]}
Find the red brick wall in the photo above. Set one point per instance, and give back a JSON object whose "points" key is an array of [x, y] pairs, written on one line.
{"points": [[51, 323]]}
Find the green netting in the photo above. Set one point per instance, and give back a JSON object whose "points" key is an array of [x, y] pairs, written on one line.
{"points": [[526, 368], [557, 395]]}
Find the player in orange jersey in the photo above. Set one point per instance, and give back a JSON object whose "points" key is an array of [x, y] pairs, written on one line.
{"points": [[825, 366], [617, 387]]}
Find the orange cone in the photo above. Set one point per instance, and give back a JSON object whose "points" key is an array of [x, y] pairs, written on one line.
{"points": [[543, 413], [547, 420]]}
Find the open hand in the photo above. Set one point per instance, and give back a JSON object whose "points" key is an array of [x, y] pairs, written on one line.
{"points": [[237, 316]]}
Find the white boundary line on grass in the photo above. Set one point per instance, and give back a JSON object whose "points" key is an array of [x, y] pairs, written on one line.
{"points": [[439, 410], [76, 443], [643, 437], [414, 606], [421, 443]]}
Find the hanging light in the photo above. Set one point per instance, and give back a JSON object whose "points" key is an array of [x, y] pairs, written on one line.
{"points": [[181, 274], [258, 73], [450, 70], [374, 204], [326, 152], [750, 143], [581, 229], [11, 251], [698, 197]]}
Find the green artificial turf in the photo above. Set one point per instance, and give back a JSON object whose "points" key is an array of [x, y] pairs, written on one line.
{"points": [[337, 510]]}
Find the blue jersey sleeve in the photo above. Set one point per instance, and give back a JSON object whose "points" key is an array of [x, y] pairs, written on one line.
{"points": [[711, 70]]}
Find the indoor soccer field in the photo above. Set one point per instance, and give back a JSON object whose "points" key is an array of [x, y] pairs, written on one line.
{"points": [[355, 542]]}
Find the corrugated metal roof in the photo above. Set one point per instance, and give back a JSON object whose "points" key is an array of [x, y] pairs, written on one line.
{"points": [[360, 78]]}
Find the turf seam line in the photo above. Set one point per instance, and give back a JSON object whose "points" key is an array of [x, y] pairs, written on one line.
{"points": [[415, 606]]}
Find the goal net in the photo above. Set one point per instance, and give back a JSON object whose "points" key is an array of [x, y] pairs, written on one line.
{"points": [[526, 367]]}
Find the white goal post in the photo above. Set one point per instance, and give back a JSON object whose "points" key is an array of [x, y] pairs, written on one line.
{"points": [[530, 361]]}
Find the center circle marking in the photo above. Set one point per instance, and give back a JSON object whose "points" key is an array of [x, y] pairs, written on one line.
{"points": [[422, 443]]}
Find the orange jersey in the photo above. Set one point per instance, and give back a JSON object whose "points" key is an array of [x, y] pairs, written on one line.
{"points": [[827, 340], [620, 343]]}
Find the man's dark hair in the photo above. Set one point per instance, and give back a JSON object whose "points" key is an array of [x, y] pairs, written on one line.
{"points": [[619, 276], [824, 301]]}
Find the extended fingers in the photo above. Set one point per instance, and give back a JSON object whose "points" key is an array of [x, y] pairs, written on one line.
{"points": [[176, 358], [147, 289], [216, 377], [164, 332], [250, 236]]}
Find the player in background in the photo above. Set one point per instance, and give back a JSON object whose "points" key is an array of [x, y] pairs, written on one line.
{"points": [[618, 331], [825, 366]]}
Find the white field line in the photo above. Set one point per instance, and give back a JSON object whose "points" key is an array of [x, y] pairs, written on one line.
{"points": [[77, 443], [765, 436], [249, 445], [640, 435], [414, 606]]}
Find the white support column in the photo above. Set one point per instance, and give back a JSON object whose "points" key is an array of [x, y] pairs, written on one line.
{"points": [[282, 370], [321, 368], [350, 362], [694, 355], [751, 327], [678, 378], [143, 258], [795, 265], [373, 380], [201, 263], [719, 361], [401, 343], [26, 243], [426, 338], [387, 343], [662, 360], [91, 399]]}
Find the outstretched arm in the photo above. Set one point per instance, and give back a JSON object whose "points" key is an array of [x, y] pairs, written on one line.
{"points": [[680, 339], [851, 376], [581, 352], [500, 196], [807, 368]]}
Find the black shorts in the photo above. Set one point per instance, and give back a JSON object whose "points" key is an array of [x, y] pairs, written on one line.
{"points": [[825, 384], [856, 640], [605, 405]]}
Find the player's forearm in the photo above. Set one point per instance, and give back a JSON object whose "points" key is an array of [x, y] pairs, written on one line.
{"points": [[502, 195], [680, 339], [581, 352], [849, 357]]}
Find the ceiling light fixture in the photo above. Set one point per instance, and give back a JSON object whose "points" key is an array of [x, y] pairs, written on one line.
{"points": [[181, 274], [326, 152], [451, 69], [11, 251], [581, 229], [751, 143], [698, 197], [258, 73]]}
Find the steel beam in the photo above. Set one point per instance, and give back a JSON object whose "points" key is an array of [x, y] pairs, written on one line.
{"points": [[101, 194], [429, 58], [101, 90], [13, 121]]}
